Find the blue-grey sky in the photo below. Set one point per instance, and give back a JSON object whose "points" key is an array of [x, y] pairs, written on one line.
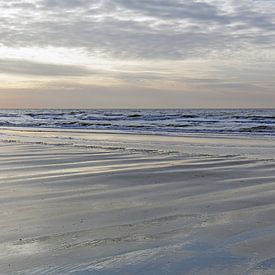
{"points": [[137, 53]]}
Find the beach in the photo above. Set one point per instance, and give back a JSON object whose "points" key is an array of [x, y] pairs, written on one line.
{"points": [[137, 137], [91, 206]]}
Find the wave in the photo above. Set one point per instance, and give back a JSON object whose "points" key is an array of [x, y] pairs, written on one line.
{"points": [[178, 125], [253, 121], [45, 114], [8, 115], [135, 115], [261, 128]]}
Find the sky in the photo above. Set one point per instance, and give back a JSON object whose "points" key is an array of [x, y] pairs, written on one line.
{"points": [[137, 53]]}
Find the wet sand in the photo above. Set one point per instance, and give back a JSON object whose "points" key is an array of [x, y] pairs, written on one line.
{"points": [[75, 210]]}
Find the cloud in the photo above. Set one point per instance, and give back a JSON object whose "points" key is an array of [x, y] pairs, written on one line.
{"points": [[148, 29], [23, 67], [175, 10], [203, 46], [65, 4]]}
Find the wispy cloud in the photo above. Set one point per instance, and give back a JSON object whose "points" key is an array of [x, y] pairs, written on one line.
{"points": [[22, 67]]}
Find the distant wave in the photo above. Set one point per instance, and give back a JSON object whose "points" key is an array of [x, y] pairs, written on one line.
{"points": [[261, 128], [176, 121]]}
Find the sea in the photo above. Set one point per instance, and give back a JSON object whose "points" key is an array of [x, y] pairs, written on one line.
{"points": [[148, 121]]}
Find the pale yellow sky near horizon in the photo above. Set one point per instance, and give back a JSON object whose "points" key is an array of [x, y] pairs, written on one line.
{"points": [[127, 54]]}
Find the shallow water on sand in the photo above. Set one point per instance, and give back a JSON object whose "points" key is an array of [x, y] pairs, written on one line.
{"points": [[93, 203]]}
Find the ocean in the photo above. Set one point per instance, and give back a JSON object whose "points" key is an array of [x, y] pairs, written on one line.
{"points": [[148, 121]]}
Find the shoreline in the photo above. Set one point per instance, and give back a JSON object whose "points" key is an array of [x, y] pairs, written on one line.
{"points": [[192, 144], [245, 135]]}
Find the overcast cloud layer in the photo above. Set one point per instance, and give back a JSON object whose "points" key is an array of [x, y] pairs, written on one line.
{"points": [[181, 53]]}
